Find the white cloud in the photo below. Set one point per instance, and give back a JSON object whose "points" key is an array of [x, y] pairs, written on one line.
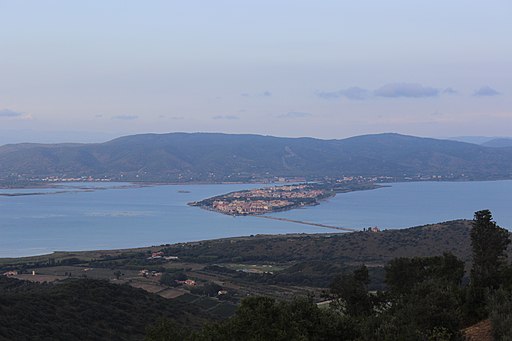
{"points": [[10, 113], [485, 91], [413, 90], [295, 114], [225, 117], [125, 117]]}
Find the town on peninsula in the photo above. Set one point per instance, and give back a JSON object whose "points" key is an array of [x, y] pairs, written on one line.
{"points": [[274, 199]]}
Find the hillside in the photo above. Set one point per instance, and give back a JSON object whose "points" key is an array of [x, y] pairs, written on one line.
{"points": [[302, 259], [349, 248], [181, 157], [499, 142], [84, 309]]}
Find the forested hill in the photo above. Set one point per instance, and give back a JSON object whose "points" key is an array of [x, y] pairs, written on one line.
{"points": [[224, 157]]}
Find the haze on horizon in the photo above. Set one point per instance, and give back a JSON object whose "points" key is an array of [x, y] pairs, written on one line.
{"points": [[95, 70]]}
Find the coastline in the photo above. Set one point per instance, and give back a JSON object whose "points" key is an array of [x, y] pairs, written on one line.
{"points": [[97, 253], [332, 192], [303, 215]]}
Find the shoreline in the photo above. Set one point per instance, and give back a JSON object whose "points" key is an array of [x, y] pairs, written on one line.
{"points": [[57, 184], [333, 191], [50, 252], [98, 253], [75, 253]]}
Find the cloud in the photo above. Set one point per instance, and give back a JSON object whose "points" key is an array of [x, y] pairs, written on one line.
{"points": [[450, 91], [391, 90], [354, 92], [485, 91], [295, 114], [265, 93], [329, 94], [411, 90], [15, 115], [10, 113], [175, 118], [225, 117], [125, 117]]}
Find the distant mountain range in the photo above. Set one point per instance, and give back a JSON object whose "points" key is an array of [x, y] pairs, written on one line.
{"points": [[183, 157], [499, 142], [485, 140]]}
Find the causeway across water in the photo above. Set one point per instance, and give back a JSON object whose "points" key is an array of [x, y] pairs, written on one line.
{"points": [[348, 229]]}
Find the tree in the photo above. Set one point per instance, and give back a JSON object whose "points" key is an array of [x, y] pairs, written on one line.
{"points": [[500, 314], [208, 289], [263, 318], [489, 243], [350, 292], [165, 330], [430, 310], [170, 278], [402, 274]]}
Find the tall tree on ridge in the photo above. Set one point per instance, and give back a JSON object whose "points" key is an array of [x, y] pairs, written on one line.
{"points": [[489, 243]]}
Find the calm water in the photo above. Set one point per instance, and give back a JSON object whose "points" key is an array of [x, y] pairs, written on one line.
{"points": [[119, 217], [410, 204]]}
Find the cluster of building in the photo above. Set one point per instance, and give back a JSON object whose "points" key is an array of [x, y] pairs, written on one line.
{"points": [[244, 207], [189, 282], [264, 200], [149, 273], [56, 179], [160, 255], [281, 192]]}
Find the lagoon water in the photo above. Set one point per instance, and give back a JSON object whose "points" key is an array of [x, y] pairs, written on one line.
{"points": [[112, 215]]}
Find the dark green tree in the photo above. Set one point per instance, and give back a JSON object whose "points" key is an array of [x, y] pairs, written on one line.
{"points": [[166, 330], [350, 292], [208, 289], [500, 314], [263, 318], [402, 274], [429, 311], [423, 302], [170, 278], [489, 243]]}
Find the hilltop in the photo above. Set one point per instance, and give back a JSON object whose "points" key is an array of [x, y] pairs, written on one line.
{"points": [[209, 157]]}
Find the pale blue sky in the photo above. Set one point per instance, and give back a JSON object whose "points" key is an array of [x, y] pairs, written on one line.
{"points": [[91, 70]]}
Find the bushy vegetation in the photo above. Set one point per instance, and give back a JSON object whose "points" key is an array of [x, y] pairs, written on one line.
{"points": [[428, 240], [425, 300], [84, 309], [262, 318]]}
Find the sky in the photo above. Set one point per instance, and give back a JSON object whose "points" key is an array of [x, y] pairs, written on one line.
{"points": [[88, 71]]}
